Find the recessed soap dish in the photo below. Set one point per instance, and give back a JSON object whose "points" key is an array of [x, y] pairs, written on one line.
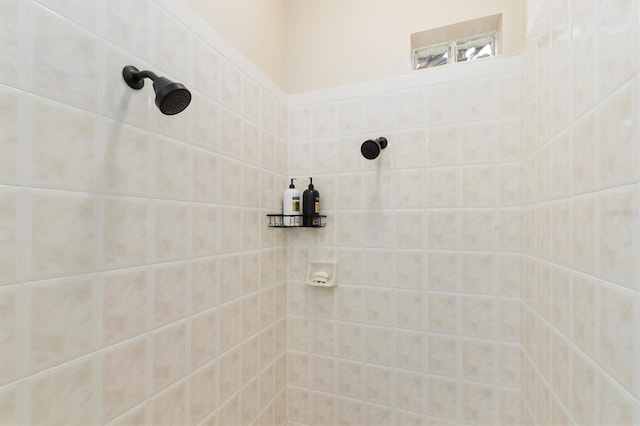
{"points": [[321, 273]]}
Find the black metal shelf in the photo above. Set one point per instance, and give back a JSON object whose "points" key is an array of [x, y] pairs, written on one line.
{"points": [[295, 221]]}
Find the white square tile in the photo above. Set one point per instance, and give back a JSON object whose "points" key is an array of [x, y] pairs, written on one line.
{"points": [[378, 306], [379, 112], [478, 273], [510, 140], [60, 395], [126, 232], [13, 345], [169, 287], [615, 405], [252, 101], [442, 313], [230, 277], [561, 98], [583, 388], [409, 391], [64, 235], [58, 47], [127, 166], [231, 143], [126, 305], [510, 95], [299, 123], [442, 270], [410, 229], [251, 144], [584, 89], [171, 405], [78, 12], [617, 323], [410, 309], [378, 384], [11, 398], [230, 332], [478, 185], [323, 337], [350, 158], [477, 229], [378, 267], [444, 228], [349, 117], [617, 32], [205, 284], [125, 373], [479, 99], [350, 378], [65, 146], [477, 316], [410, 350], [378, 345], [477, 403], [617, 122], [203, 390], [323, 120], [618, 230], [442, 101], [410, 269], [10, 236], [13, 21], [350, 339], [169, 345], [443, 187], [172, 169], [63, 318], [410, 148], [478, 143], [478, 361], [442, 396], [12, 109], [323, 373], [171, 230]]}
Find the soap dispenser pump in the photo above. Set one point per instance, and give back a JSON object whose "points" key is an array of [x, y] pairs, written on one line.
{"points": [[291, 201], [310, 205]]}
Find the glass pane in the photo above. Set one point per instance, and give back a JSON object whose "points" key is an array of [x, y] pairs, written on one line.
{"points": [[476, 48], [431, 56]]}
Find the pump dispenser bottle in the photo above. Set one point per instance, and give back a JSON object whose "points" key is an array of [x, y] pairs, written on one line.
{"points": [[291, 201], [310, 205]]}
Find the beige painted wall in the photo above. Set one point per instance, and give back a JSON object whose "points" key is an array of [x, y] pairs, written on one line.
{"points": [[255, 27], [305, 45], [338, 42]]}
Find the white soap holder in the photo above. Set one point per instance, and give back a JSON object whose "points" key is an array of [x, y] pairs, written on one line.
{"points": [[321, 273]]}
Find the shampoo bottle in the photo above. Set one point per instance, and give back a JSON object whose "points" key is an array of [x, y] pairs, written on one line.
{"points": [[291, 201], [310, 205]]}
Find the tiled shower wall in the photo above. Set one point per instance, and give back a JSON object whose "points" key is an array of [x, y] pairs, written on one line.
{"points": [[424, 324], [139, 282], [581, 312]]}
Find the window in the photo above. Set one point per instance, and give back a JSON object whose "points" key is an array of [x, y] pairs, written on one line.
{"points": [[467, 49], [460, 42]]}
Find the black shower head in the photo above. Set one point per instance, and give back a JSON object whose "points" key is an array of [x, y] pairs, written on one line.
{"points": [[370, 149], [171, 97]]}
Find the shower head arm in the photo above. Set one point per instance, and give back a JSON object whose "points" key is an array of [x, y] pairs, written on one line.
{"points": [[145, 74], [135, 78]]}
